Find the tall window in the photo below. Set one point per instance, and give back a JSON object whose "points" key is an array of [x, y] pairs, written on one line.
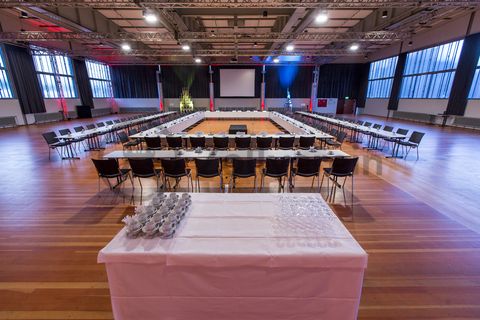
{"points": [[429, 73], [380, 78], [475, 88], [99, 75], [55, 74], [5, 90]]}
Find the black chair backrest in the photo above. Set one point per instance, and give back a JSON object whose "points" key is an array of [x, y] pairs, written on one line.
{"points": [[174, 167], [277, 166], [175, 142], [388, 128], [79, 129], [242, 142], [367, 124], [106, 168], [308, 166], [196, 142], [142, 167], [64, 131], [306, 142], [360, 122], [117, 121], [50, 137], [132, 131], [416, 137], [341, 136], [90, 126], [109, 122], [244, 167], [207, 167], [220, 142], [403, 132], [264, 142], [122, 136], [286, 142], [344, 166], [153, 143], [100, 124], [377, 126], [334, 132]]}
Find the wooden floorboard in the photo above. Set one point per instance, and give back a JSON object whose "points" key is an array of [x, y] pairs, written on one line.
{"points": [[422, 263]]}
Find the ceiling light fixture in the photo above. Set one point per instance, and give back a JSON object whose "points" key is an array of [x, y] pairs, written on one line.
{"points": [[290, 47], [126, 47], [322, 17], [385, 14], [198, 60], [185, 47], [150, 16], [354, 47], [276, 60]]}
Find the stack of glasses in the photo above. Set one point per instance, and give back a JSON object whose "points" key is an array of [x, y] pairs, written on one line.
{"points": [[160, 217]]}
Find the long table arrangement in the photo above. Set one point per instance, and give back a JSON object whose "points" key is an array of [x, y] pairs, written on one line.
{"points": [[240, 257]]}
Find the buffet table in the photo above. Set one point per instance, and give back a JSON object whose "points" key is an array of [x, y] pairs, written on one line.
{"points": [[240, 257]]}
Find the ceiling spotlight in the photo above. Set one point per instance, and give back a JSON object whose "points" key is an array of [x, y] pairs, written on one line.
{"points": [[354, 47], [265, 13], [255, 44], [384, 14], [290, 47], [185, 47], [410, 43], [126, 47], [276, 60], [150, 16], [198, 60], [321, 17]]}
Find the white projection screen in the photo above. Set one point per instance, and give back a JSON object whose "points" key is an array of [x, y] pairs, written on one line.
{"points": [[237, 82]]}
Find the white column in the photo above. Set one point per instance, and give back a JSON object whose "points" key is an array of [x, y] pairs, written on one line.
{"points": [[160, 89], [313, 96]]}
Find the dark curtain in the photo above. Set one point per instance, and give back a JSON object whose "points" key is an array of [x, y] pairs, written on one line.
{"points": [[457, 103], [25, 79], [258, 79], [83, 83], [362, 90], [298, 79], [340, 81], [134, 81], [195, 78], [397, 82]]}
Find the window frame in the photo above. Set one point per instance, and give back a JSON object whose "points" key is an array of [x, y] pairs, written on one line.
{"points": [[61, 76], [432, 79], [106, 80], [383, 79], [5, 77], [475, 86]]}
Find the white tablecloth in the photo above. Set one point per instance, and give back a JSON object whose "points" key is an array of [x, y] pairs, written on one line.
{"points": [[240, 257]]}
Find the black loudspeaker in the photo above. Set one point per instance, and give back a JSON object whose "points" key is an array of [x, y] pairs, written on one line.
{"points": [[84, 112]]}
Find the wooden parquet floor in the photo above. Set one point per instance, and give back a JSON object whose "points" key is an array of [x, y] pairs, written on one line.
{"points": [[422, 263]]}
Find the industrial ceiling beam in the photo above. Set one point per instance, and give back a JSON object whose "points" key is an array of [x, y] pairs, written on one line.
{"points": [[327, 4], [371, 36]]}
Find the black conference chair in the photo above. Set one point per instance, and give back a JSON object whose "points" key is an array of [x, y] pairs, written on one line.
{"points": [[337, 143], [54, 143], [144, 168], [127, 143], [306, 167], [109, 122], [220, 143], [305, 142], [196, 142], [400, 131], [412, 143], [243, 143], [341, 168], [90, 126], [117, 121], [108, 169], [244, 168], [388, 128], [78, 128], [208, 168], [264, 143], [276, 168], [177, 169], [100, 124], [75, 141], [153, 143], [175, 142], [286, 142]]}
